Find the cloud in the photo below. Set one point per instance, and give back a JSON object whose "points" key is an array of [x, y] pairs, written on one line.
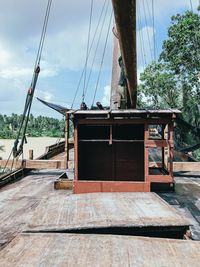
{"points": [[14, 72], [45, 95], [4, 56], [64, 49], [106, 96]]}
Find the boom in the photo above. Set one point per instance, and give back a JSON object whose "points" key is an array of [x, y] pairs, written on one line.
{"points": [[125, 19]]}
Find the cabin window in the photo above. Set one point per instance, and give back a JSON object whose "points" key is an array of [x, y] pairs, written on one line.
{"points": [[158, 161], [111, 152], [128, 132], [158, 132]]}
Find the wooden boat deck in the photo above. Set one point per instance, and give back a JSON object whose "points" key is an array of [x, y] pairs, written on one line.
{"points": [[124, 213], [91, 250], [20, 201]]}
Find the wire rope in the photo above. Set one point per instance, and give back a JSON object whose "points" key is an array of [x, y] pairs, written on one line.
{"points": [[29, 98], [88, 44], [191, 5], [141, 35], [154, 32], [81, 77], [103, 56], [97, 46], [147, 30]]}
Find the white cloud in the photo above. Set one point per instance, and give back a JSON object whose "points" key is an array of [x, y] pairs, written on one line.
{"points": [[14, 72], [106, 96], [64, 48], [4, 56], [44, 95]]}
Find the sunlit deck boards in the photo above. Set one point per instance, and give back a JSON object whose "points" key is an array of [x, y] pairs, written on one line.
{"points": [[34, 250], [131, 213], [19, 200]]}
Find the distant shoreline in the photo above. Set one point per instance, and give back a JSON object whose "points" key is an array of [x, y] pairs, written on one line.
{"points": [[38, 144]]}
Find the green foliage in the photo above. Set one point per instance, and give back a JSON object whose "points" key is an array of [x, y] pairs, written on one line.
{"points": [[37, 127], [174, 81], [160, 86], [181, 54]]}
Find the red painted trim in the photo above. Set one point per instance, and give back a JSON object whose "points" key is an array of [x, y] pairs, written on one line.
{"points": [[101, 186], [159, 178]]}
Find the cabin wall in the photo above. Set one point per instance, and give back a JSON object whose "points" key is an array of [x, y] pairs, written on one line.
{"points": [[123, 153]]}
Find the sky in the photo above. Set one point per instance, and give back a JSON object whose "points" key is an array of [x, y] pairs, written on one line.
{"points": [[65, 49]]}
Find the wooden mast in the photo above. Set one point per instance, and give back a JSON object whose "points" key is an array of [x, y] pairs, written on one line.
{"points": [[125, 19]]}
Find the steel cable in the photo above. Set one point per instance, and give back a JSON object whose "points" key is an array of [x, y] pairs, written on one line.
{"points": [[81, 77], [103, 56]]}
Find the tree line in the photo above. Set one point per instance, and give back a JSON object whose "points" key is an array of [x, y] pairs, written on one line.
{"points": [[173, 81], [37, 126]]}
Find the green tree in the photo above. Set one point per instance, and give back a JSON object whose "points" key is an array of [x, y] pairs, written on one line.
{"points": [[175, 80], [181, 54], [160, 86]]}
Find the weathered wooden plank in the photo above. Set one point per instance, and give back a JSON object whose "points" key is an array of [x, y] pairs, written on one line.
{"points": [[35, 164], [16, 164], [63, 184], [97, 250], [12, 176], [104, 210], [180, 166], [19, 200], [186, 166], [45, 164]]}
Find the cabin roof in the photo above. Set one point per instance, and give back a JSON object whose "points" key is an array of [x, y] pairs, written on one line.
{"points": [[127, 112]]}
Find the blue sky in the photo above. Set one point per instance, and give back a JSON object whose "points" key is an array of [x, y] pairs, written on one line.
{"points": [[65, 49]]}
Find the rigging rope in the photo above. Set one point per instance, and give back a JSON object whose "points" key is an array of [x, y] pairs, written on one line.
{"points": [[151, 14], [147, 30], [144, 60], [97, 46], [29, 98], [88, 44], [154, 33], [81, 77], [191, 5], [103, 56]]}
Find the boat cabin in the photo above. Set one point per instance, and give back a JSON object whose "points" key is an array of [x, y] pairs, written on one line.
{"points": [[123, 150]]}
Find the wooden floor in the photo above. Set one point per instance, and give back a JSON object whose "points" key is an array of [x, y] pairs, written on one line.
{"points": [[21, 201], [32, 250], [104, 210], [186, 199]]}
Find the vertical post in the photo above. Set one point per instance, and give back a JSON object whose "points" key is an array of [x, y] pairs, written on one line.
{"points": [[163, 148], [76, 148], [146, 150], [31, 154], [67, 139], [171, 149]]}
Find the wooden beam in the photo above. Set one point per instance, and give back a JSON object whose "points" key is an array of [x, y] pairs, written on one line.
{"points": [[63, 184], [35, 164], [125, 18], [180, 166], [11, 164], [186, 166]]}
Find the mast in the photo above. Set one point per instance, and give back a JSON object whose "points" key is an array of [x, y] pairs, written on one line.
{"points": [[125, 19]]}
